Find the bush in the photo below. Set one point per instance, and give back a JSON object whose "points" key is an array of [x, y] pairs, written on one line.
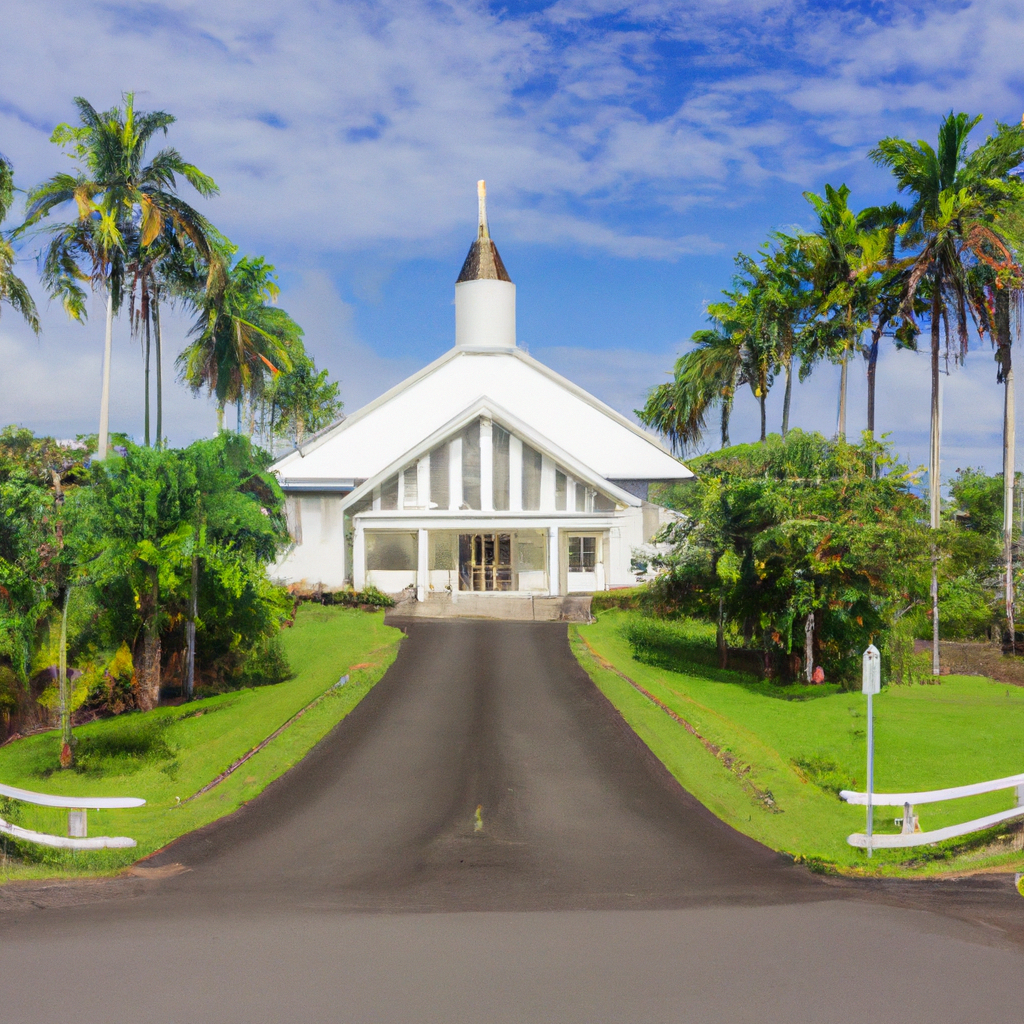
{"points": [[266, 665], [123, 748], [666, 643], [824, 771]]}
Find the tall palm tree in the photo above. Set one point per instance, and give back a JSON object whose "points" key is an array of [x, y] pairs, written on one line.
{"points": [[123, 204], [12, 289], [239, 335], [955, 197], [844, 257], [703, 378]]}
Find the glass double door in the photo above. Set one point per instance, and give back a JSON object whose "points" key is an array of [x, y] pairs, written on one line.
{"points": [[485, 561]]}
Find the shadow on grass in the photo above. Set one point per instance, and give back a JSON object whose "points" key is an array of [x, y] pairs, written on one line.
{"points": [[688, 646]]}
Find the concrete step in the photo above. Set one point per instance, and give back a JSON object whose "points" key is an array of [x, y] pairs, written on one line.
{"points": [[510, 607]]}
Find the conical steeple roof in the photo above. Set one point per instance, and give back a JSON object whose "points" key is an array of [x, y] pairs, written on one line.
{"points": [[483, 262]]}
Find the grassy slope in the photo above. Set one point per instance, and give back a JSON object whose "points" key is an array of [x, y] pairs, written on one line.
{"points": [[181, 749], [966, 729]]}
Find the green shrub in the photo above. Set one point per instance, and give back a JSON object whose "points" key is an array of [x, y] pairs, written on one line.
{"points": [[824, 771], [124, 748], [266, 665], [667, 643]]}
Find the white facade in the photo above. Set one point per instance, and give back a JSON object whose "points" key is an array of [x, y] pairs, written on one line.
{"points": [[486, 471]]}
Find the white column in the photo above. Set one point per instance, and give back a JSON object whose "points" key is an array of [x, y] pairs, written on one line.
{"points": [[358, 557], [423, 481], [486, 467], [341, 546], [376, 499], [515, 474], [570, 495], [547, 484], [553, 571], [422, 577], [455, 473]]}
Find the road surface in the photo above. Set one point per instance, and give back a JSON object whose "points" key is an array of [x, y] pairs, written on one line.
{"points": [[484, 839]]}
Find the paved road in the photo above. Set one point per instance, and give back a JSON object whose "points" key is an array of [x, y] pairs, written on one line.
{"points": [[483, 838]]}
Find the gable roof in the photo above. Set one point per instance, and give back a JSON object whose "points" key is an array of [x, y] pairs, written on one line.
{"points": [[486, 407], [566, 416]]}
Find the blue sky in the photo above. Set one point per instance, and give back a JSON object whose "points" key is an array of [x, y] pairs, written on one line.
{"points": [[630, 150]]}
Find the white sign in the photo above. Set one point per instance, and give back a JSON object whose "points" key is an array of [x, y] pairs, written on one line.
{"points": [[871, 681]]}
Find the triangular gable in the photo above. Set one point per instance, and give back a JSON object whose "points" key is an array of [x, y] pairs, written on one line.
{"points": [[484, 406], [564, 414]]}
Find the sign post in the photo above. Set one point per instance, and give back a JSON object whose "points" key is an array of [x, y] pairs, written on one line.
{"points": [[871, 683]]}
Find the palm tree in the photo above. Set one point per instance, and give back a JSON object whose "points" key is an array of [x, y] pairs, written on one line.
{"points": [[12, 289], [704, 377], [955, 197], [301, 399], [844, 259], [123, 205], [239, 334]]}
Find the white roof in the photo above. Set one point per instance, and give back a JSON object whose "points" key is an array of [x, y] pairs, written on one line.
{"points": [[365, 443]]}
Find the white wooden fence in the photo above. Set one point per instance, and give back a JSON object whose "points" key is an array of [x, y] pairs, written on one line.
{"points": [[911, 834], [76, 839]]}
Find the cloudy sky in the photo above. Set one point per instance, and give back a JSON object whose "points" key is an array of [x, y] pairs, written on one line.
{"points": [[630, 149]]}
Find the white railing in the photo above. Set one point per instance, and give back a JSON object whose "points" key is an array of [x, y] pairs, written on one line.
{"points": [[77, 838], [911, 834]]}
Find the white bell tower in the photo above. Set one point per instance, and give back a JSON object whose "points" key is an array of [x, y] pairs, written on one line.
{"points": [[485, 297]]}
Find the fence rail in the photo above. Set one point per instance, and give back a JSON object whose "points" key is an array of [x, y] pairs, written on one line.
{"points": [[77, 838], [911, 834]]}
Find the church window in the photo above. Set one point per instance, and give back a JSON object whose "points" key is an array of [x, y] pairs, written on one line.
{"points": [[389, 495], [561, 487], [390, 551], [582, 554], [531, 478], [444, 550], [471, 465], [439, 477], [410, 498], [582, 493], [500, 439]]}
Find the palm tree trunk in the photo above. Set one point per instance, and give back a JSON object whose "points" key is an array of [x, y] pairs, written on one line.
{"points": [[190, 631], [1005, 357], [872, 372], [809, 648], [844, 376], [101, 449], [238, 414], [66, 753], [159, 371], [723, 650], [149, 688], [726, 411], [147, 376], [788, 395], [762, 398], [934, 483], [220, 417]]}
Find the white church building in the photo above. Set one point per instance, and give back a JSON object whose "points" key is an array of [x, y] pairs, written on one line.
{"points": [[485, 472]]}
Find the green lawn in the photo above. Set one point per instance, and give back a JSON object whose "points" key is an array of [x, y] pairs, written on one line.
{"points": [[167, 755], [784, 751]]}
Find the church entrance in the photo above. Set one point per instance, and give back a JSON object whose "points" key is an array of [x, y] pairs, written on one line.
{"points": [[485, 561]]}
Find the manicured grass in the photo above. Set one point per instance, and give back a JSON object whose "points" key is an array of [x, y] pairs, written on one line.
{"points": [[786, 750], [167, 755]]}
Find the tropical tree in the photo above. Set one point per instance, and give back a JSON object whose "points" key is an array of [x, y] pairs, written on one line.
{"points": [[300, 400], [12, 289], [122, 205], [955, 198], [240, 336]]}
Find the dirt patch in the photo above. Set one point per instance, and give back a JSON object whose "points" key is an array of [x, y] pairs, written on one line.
{"points": [[976, 658]]}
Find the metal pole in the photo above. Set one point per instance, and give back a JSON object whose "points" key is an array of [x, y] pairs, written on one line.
{"points": [[871, 768]]}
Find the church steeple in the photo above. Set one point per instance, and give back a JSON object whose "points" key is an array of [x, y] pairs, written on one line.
{"points": [[483, 263], [485, 297]]}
